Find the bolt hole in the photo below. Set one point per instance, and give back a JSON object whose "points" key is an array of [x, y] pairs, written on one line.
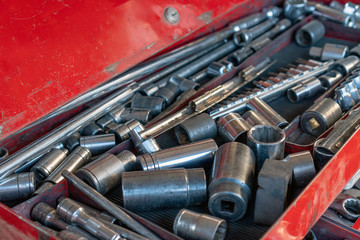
{"points": [[227, 206]]}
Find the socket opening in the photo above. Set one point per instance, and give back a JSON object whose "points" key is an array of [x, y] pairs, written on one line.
{"points": [[227, 206], [312, 124], [181, 135], [352, 206], [266, 134], [3, 153], [221, 231], [292, 96], [39, 174]]}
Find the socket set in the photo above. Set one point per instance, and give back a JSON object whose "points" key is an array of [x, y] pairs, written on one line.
{"points": [[221, 137]]}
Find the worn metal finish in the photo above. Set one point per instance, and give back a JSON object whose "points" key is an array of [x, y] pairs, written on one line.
{"points": [[344, 98], [195, 226], [231, 181], [304, 90], [140, 114], [355, 77], [196, 128], [155, 104], [197, 154], [104, 173], [17, 186], [49, 162], [320, 116], [346, 65], [67, 235], [348, 206], [310, 33], [76, 159], [91, 130], [267, 142], [98, 144], [254, 118], [72, 141], [355, 51], [150, 190], [216, 69], [232, 127], [73, 213], [143, 145], [114, 115], [183, 84], [265, 110], [295, 9], [332, 14], [329, 51], [330, 78], [352, 89], [4, 154], [122, 131], [168, 93]]}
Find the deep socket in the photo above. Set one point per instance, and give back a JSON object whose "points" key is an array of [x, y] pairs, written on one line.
{"points": [[17, 186], [99, 143]]}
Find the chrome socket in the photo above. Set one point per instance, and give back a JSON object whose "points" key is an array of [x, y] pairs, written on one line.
{"points": [[104, 173], [48, 163], [122, 131], [330, 78], [197, 154], [231, 181], [320, 116], [17, 186], [151, 190], [355, 79], [143, 145], [352, 89], [72, 141], [265, 110], [345, 65], [232, 127], [329, 51], [168, 93], [195, 226], [333, 15], [140, 114], [195, 129], [216, 69], [98, 144], [310, 33], [155, 104], [254, 118], [183, 84], [4, 154], [307, 89], [344, 98], [91, 130], [114, 115], [355, 51], [266, 142], [337, 5], [295, 9]]}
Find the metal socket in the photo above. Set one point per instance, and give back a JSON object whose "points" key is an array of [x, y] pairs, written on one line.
{"points": [[114, 115], [91, 130], [231, 181], [352, 89], [355, 78], [197, 154], [122, 131], [140, 114], [268, 112], [267, 142], [330, 78], [195, 226], [155, 104], [143, 145], [345, 65], [332, 14], [344, 98], [329, 51], [320, 116], [183, 83], [310, 33], [68, 235], [307, 89], [216, 69], [196, 128], [232, 127], [104, 173], [151, 190], [4, 154], [98, 144], [17, 186], [48, 163], [355, 51], [72, 141], [255, 118], [168, 93], [295, 9]]}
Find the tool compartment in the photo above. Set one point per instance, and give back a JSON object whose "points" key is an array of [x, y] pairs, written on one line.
{"points": [[308, 204]]}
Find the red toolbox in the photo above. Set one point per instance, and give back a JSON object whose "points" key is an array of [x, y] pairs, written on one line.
{"points": [[52, 52]]}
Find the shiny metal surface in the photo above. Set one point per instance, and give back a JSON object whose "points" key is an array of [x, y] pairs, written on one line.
{"points": [[254, 118], [332, 14], [141, 114], [192, 155], [17, 186], [347, 205], [76, 159], [352, 89], [98, 144], [355, 51], [337, 5], [265, 110], [143, 145], [49, 162], [72, 141], [233, 128], [104, 173], [155, 104], [4, 154], [267, 142], [330, 78], [304, 90], [68, 235], [320, 116], [183, 83], [344, 98], [150, 190], [108, 206], [47, 216], [91, 130], [112, 116], [295, 9], [168, 93], [231, 181], [355, 77], [216, 69], [196, 128], [122, 131], [195, 226], [310, 33], [329, 51], [73, 213], [45, 143], [346, 65]]}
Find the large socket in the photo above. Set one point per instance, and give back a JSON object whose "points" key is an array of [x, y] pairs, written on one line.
{"points": [[304, 90], [231, 181], [232, 127], [151, 190], [155, 104], [310, 33], [17, 186], [122, 131], [98, 144]]}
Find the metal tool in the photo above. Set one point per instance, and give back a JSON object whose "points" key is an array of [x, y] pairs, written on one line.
{"points": [[355, 78], [310, 33], [295, 9], [168, 93], [143, 145], [47, 216], [274, 177], [337, 5], [98, 144], [332, 14], [267, 142], [115, 115], [108, 205], [122, 131], [304, 90], [330, 78], [346, 65], [49, 162], [216, 69], [4, 154], [73, 213], [91, 130], [329, 51], [150, 190], [67, 235], [232, 127], [347, 206], [196, 154], [77, 158], [72, 141], [352, 89], [17, 186], [355, 51], [196, 128], [195, 226], [155, 104], [320, 116], [104, 173], [254, 118], [344, 98], [231, 181]]}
